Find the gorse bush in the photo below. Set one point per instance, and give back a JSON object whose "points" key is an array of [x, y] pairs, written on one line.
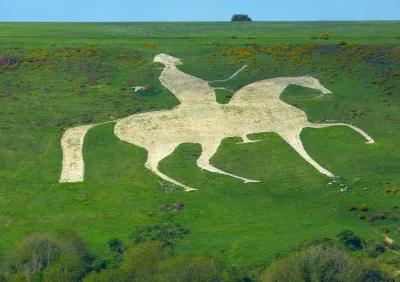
{"points": [[324, 36], [150, 44], [384, 229], [5, 61]]}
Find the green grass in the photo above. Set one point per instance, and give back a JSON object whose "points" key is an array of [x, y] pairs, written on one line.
{"points": [[243, 224], [282, 30]]}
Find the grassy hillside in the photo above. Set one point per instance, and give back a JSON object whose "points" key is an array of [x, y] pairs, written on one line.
{"points": [[56, 76], [282, 30]]}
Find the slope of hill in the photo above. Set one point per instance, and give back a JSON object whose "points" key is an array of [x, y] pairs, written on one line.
{"points": [[56, 76]]}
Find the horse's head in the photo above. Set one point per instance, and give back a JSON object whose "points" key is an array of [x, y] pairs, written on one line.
{"points": [[167, 60], [311, 82]]}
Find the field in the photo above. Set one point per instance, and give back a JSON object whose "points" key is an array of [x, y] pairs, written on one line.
{"points": [[56, 76]]}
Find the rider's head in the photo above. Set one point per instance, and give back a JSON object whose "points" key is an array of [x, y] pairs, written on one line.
{"points": [[167, 60]]}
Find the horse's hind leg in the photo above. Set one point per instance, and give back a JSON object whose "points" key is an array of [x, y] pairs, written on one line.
{"points": [[293, 139], [362, 132], [247, 140], [153, 159], [72, 163], [209, 150]]}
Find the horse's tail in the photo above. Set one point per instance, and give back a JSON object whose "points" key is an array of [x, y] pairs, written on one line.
{"points": [[72, 144]]}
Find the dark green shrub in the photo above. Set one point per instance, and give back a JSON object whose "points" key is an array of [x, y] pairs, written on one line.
{"points": [[349, 240], [161, 232], [116, 245], [140, 264], [374, 274]]}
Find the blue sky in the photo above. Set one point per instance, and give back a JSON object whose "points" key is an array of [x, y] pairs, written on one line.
{"points": [[196, 10]]}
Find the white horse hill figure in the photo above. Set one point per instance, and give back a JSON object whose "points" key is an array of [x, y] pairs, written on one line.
{"points": [[255, 108]]}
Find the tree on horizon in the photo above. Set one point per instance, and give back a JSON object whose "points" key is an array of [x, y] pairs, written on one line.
{"points": [[240, 18]]}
